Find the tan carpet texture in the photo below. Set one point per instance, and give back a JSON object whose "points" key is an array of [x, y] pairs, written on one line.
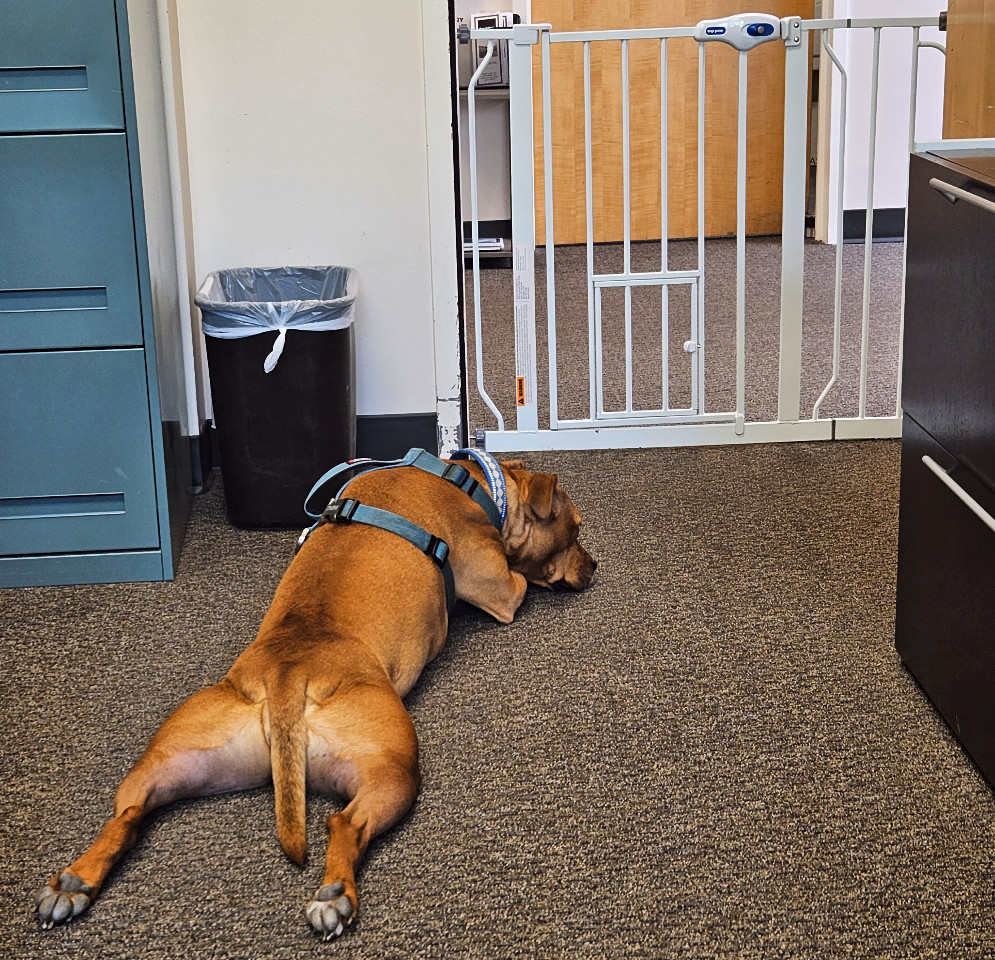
{"points": [[712, 753]]}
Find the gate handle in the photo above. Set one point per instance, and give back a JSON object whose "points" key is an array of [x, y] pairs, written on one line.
{"points": [[969, 501], [953, 194]]}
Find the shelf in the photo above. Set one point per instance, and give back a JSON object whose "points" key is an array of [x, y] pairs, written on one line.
{"points": [[487, 93]]}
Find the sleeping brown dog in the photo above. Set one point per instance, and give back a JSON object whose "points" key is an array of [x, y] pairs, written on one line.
{"points": [[316, 699]]}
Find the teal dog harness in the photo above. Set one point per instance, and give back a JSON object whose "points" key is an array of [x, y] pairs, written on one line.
{"points": [[350, 510]]}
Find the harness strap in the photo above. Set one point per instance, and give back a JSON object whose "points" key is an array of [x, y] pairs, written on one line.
{"points": [[348, 510], [460, 477], [360, 464], [456, 474]]}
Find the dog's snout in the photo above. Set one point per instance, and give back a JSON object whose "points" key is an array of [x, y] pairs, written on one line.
{"points": [[582, 572]]}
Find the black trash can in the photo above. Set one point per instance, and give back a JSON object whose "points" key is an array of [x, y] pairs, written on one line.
{"points": [[281, 358]]}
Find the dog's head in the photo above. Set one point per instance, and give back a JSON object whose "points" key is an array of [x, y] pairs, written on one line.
{"points": [[542, 532]]}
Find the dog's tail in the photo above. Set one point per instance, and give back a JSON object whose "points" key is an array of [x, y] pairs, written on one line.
{"points": [[288, 757]]}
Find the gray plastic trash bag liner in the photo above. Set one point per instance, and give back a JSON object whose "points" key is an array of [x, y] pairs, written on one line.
{"points": [[251, 300]]}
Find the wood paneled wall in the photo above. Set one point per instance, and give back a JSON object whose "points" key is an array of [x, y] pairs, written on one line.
{"points": [[765, 129]]}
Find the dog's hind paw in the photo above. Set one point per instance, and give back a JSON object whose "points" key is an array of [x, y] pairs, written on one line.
{"points": [[62, 899], [331, 911]]}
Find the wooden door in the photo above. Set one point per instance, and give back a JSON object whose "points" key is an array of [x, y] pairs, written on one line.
{"points": [[765, 123], [969, 85]]}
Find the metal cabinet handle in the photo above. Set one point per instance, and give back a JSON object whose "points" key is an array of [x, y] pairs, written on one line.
{"points": [[969, 501], [953, 194]]}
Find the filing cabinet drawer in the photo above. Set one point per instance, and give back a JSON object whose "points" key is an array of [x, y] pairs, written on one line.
{"points": [[59, 66], [82, 478], [945, 618], [948, 379], [68, 266]]}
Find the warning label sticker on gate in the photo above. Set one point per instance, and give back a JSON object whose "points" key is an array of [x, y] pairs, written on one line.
{"points": [[524, 359], [524, 279]]}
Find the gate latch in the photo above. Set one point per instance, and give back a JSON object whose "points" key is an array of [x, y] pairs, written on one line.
{"points": [[690, 346], [744, 31]]}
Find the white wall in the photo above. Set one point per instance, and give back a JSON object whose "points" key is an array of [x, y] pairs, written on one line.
{"points": [[306, 135], [855, 50]]}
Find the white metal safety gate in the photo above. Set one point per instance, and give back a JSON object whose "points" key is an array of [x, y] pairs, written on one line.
{"points": [[694, 423]]}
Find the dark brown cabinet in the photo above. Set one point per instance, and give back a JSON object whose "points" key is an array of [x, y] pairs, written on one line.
{"points": [[945, 618]]}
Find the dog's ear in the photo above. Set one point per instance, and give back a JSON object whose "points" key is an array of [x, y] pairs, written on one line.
{"points": [[540, 488], [513, 464]]}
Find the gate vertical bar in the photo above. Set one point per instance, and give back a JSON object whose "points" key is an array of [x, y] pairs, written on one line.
{"points": [[627, 220], [593, 355], [547, 168], [913, 105], [664, 227], [914, 90], [795, 180], [838, 282], [523, 233], [869, 224], [741, 249], [698, 334]]}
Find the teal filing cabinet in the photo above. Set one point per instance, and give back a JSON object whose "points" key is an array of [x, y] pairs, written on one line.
{"points": [[94, 485]]}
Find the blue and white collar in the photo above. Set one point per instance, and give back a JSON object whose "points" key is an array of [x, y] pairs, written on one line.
{"points": [[492, 472]]}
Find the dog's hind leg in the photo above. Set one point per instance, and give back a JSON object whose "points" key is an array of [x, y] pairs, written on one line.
{"points": [[366, 749], [212, 743]]}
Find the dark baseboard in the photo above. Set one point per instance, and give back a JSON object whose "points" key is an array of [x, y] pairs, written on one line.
{"points": [[391, 436], [889, 225], [204, 458]]}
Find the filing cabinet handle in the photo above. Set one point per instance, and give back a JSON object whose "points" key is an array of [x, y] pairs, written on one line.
{"points": [[969, 501], [953, 194]]}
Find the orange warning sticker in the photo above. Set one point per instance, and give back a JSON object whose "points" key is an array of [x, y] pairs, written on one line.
{"points": [[520, 390]]}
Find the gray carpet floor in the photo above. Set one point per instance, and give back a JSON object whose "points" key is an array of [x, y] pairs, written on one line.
{"points": [[762, 308], [712, 753]]}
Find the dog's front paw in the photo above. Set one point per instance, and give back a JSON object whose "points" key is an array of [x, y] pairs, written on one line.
{"points": [[62, 899], [331, 910]]}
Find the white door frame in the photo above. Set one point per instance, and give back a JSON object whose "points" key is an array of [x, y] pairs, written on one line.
{"points": [[440, 85]]}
